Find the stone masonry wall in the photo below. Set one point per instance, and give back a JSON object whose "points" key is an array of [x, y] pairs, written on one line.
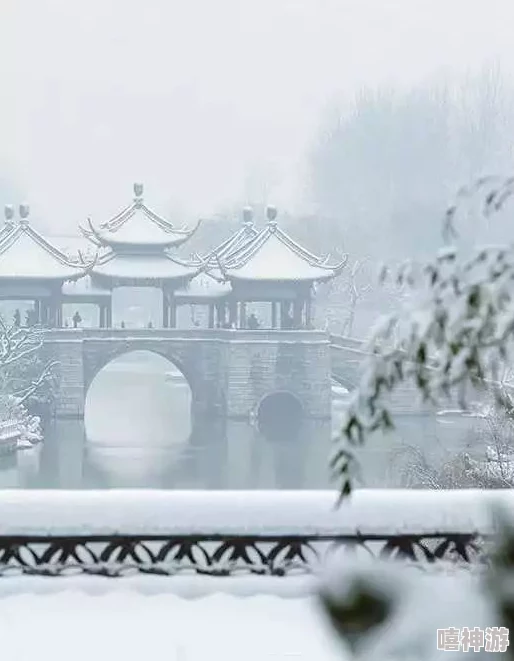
{"points": [[66, 349], [229, 372], [298, 363]]}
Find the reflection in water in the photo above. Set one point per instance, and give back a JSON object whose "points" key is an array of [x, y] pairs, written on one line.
{"points": [[139, 434]]}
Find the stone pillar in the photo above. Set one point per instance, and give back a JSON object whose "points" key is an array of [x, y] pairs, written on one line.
{"points": [[297, 313], [37, 311], [242, 315], [232, 312], [58, 314], [165, 310], [173, 312], [44, 312], [211, 315], [285, 307], [308, 313], [108, 314], [220, 314], [101, 315], [274, 314]]}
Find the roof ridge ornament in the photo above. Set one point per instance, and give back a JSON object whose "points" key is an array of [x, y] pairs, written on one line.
{"points": [[271, 215], [9, 215], [248, 216], [138, 193], [24, 214]]}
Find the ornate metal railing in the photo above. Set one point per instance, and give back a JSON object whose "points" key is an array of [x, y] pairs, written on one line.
{"points": [[220, 555]]}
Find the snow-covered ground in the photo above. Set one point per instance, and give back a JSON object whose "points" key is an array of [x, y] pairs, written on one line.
{"points": [[125, 625], [104, 619]]}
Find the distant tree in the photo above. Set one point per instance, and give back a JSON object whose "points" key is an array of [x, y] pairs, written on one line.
{"points": [[385, 167], [453, 337]]}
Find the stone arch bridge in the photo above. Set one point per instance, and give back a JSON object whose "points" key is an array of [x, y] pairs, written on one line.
{"points": [[229, 372]]}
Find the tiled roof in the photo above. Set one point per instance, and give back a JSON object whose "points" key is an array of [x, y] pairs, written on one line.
{"points": [[137, 225]]}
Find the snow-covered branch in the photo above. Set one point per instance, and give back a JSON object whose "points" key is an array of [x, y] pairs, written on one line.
{"points": [[453, 336]]}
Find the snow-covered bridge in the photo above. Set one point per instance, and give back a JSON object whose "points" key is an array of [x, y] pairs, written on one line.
{"points": [[230, 373]]}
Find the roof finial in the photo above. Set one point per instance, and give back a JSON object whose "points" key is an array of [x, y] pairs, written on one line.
{"points": [[271, 215], [138, 191], [248, 216], [9, 214], [24, 214]]}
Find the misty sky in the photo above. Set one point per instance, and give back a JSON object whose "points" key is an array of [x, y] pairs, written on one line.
{"points": [[202, 99]]}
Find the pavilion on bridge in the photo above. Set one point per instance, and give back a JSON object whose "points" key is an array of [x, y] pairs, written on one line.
{"points": [[209, 288], [264, 267], [34, 270], [273, 268], [137, 251], [254, 270]]}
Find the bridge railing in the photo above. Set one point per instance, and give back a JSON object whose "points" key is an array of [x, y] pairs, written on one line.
{"points": [[347, 342], [79, 334], [115, 533]]}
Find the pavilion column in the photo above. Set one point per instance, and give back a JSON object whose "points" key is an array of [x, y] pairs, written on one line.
{"points": [[58, 314], [44, 312], [222, 312], [284, 315], [274, 314], [101, 315], [108, 314], [242, 315], [172, 312], [165, 310], [232, 313], [308, 313], [297, 313], [51, 314], [37, 311], [211, 315]]}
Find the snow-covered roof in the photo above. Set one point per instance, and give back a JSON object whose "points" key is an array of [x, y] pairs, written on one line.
{"points": [[244, 234], [73, 246], [25, 254], [84, 287], [272, 255], [155, 266], [137, 225], [203, 286]]}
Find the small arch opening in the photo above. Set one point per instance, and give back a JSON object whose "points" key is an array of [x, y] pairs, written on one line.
{"points": [[280, 416]]}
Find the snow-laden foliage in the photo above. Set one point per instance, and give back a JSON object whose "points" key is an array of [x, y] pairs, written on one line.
{"points": [[453, 335], [28, 426], [26, 381]]}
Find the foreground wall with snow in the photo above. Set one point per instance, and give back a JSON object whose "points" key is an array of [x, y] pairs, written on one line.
{"points": [[238, 512]]}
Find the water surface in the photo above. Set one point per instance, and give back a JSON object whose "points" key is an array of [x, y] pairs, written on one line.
{"points": [[138, 432]]}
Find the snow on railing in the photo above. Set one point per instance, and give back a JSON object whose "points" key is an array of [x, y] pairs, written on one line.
{"points": [[127, 511], [222, 533]]}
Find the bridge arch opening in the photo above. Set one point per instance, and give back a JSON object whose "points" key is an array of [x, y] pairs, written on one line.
{"points": [[137, 417], [280, 416]]}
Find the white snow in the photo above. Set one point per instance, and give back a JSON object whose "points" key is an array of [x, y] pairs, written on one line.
{"points": [[125, 625], [121, 621], [422, 603], [260, 512]]}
